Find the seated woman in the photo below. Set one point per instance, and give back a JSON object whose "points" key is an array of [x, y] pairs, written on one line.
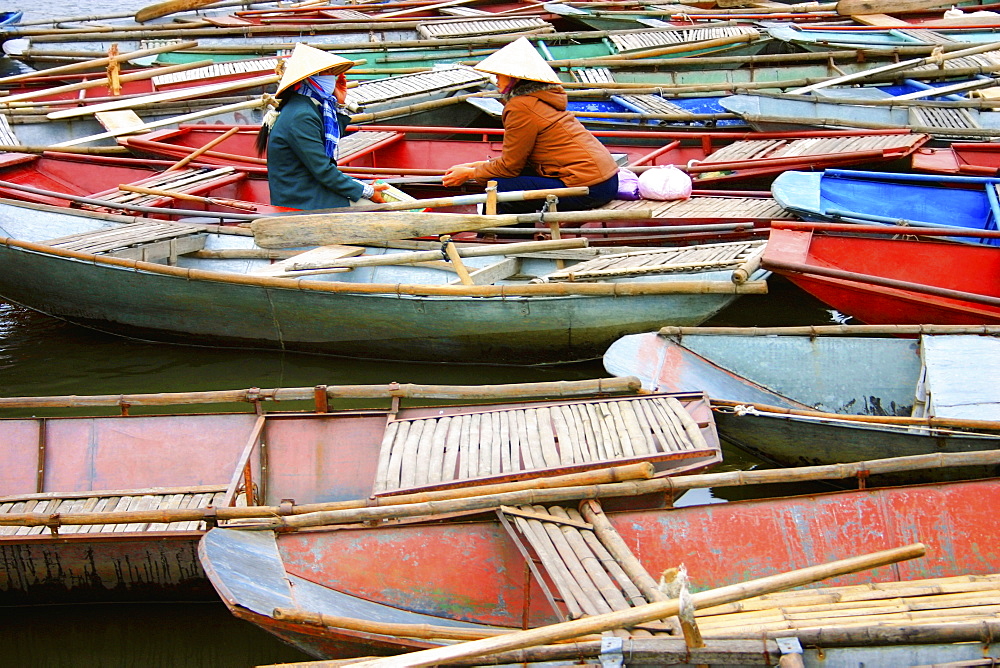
{"points": [[301, 136], [544, 146]]}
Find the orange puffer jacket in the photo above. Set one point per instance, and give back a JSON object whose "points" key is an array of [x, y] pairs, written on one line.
{"points": [[542, 135]]}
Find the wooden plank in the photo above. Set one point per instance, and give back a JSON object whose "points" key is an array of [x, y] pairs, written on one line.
{"points": [[593, 602], [393, 479], [593, 565], [431, 473], [527, 425], [408, 457], [628, 588], [423, 452], [546, 438], [572, 596], [384, 454], [453, 447]]}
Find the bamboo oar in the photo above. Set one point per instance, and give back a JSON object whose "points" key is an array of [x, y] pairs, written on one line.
{"points": [[161, 9], [102, 62], [202, 149], [174, 120], [362, 227], [148, 73], [637, 615], [218, 201]]}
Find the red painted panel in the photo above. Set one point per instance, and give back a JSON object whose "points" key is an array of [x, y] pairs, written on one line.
{"points": [[18, 457], [722, 544], [468, 571], [144, 451], [313, 459]]}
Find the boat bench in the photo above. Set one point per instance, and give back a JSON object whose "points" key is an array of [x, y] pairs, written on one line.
{"points": [[193, 181], [148, 241], [707, 208], [51, 503], [485, 26], [398, 88], [561, 437], [707, 257]]}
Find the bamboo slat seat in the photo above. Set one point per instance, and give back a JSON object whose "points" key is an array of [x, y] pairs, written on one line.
{"points": [[755, 149], [574, 568], [486, 26], [649, 104], [660, 261], [113, 501], [149, 241], [364, 141], [193, 181], [711, 208], [7, 137], [200, 74], [408, 85], [940, 117], [649, 40], [494, 445], [592, 75]]}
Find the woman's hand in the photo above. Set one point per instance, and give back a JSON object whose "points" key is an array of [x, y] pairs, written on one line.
{"points": [[458, 174], [377, 196], [340, 89]]}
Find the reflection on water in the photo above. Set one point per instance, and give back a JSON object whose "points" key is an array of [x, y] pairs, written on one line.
{"points": [[136, 635]]}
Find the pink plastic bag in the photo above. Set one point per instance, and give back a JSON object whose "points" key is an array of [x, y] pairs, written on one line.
{"points": [[628, 185], [664, 183]]}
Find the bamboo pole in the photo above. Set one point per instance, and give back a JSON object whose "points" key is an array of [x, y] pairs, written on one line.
{"points": [[570, 388], [79, 150], [609, 475], [202, 149], [420, 631], [537, 491], [633, 616], [102, 62]]}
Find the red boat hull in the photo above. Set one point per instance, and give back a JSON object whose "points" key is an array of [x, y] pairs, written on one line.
{"points": [[866, 266]]}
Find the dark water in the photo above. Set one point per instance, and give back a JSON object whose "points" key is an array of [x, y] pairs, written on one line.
{"points": [[43, 356]]}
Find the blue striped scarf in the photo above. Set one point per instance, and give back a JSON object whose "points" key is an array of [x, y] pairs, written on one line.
{"points": [[328, 107]]}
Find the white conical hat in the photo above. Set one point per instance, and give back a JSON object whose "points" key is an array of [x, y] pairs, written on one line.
{"points": [[519, 60], [306, 61]]}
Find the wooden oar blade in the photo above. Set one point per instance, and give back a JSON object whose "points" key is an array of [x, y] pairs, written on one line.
{"points": [[364, 227], [170, 7], [849, 7]]}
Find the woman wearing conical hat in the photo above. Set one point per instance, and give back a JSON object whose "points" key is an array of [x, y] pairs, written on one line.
{"points": [[301, 136], [544, 146]]}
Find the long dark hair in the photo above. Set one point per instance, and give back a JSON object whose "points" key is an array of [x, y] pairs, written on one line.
{"points": [[265, 128]]}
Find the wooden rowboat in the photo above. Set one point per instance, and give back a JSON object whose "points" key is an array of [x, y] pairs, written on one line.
{"points": [[878, 279], [790, 395], [317, 589], [383, 312], [80, 546], [918, 200]]}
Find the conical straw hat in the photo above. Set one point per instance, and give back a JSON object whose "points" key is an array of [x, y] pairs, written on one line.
{"points": [[519, 60], [306, 61]]}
